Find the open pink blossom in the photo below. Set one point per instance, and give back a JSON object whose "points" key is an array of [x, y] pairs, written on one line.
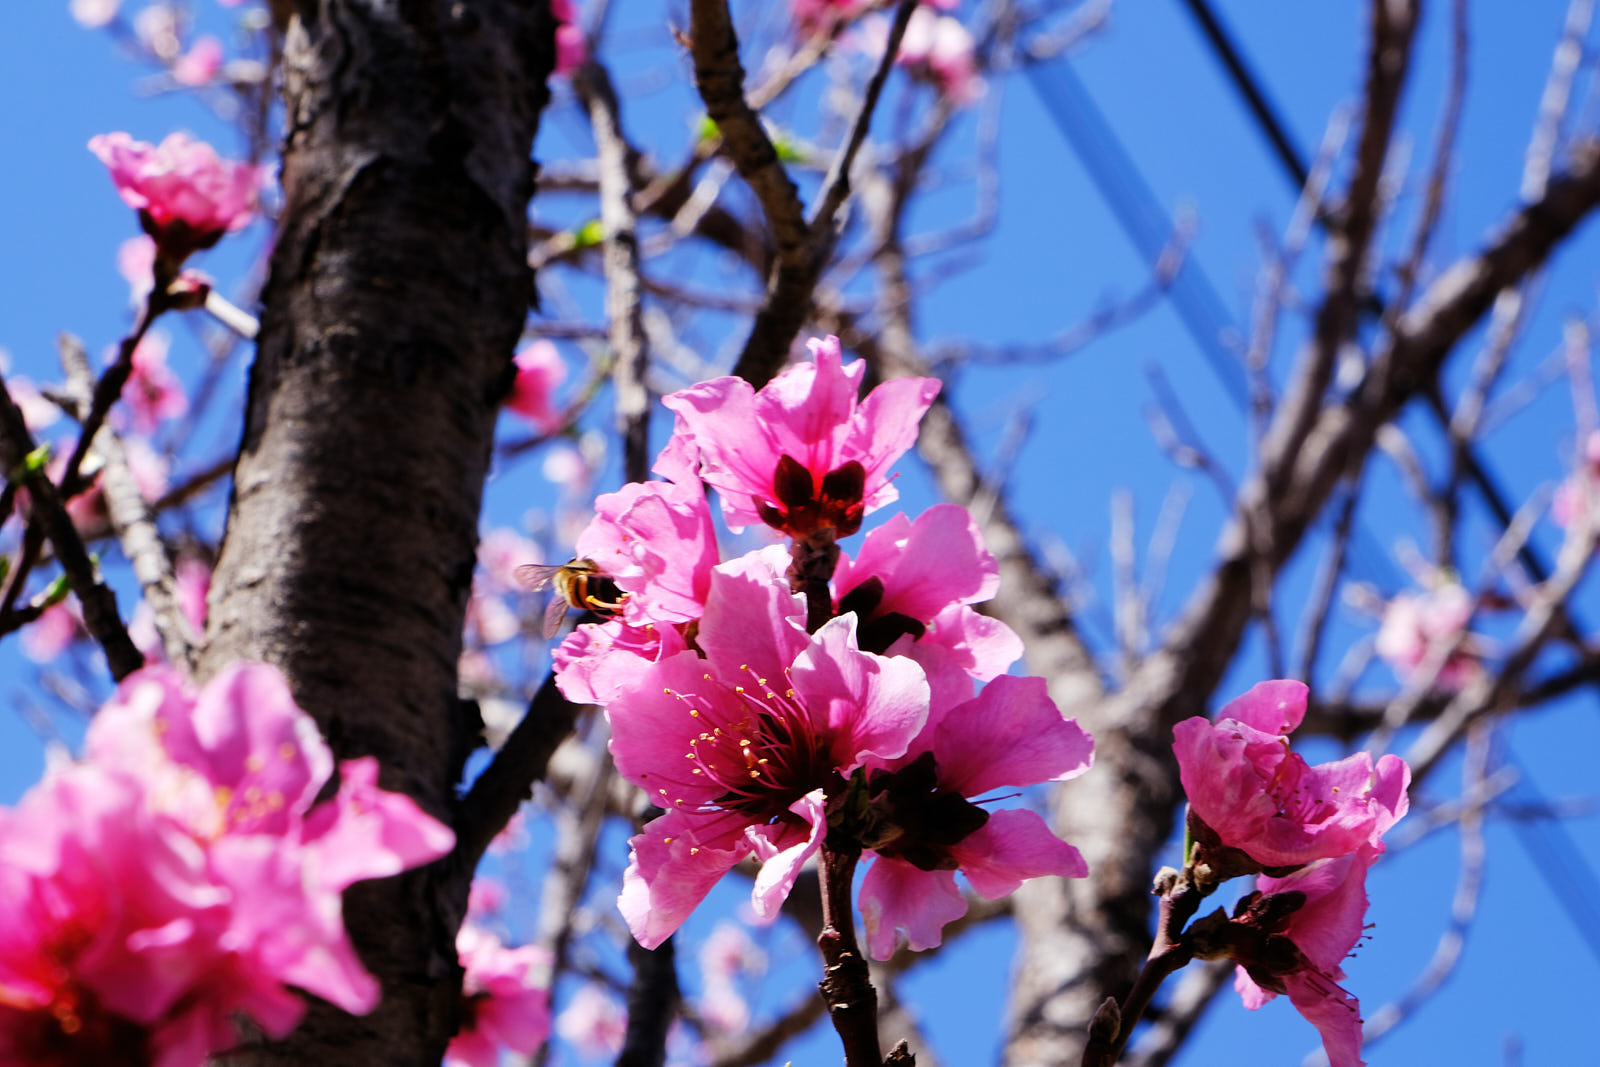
{"points": [[1010, 735], [540, 369], [186, 195], [918, 578], [740, 746], [801, 455], [505, 999], [182, 874], [1415, 624], [656, 541], [1323, 930], [1254, 794]]}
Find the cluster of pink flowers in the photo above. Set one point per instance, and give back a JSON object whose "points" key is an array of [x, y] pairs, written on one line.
{"points": [[816, 16], [759, 738], [1311, 833], [182, 874], [1416, 624], [186, 195]]}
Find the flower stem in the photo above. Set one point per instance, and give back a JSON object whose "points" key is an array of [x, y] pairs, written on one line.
{"points": [[846, 986], [1170, 952]]}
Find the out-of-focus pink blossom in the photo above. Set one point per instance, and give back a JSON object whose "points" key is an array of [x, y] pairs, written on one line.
{"points": [[92, 14], [505, 999], [1579, 492], [192, 581], [540, 369], [727, 956], [136, 262], [739, 746], [181, 875], [1414, 624], [159, 28], [200, 63], [801, 455], [488, 619], [486, 897], [917, 579], [571, 49], [935, 48], [593, 1022], [53, 632], [811, 16], [37, 410], [153, 392], [500, 553], [1254, 794], [1010, 735], [564, 466], [186, 195]]}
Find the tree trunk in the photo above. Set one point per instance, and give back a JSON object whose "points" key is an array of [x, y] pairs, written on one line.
{"points": [[398, 289]]}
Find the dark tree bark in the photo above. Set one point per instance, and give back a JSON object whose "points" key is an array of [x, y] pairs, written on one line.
{"points": [[398, 289]]}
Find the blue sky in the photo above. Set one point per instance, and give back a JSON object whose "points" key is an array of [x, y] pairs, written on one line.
{"points": [[1055, 253]]}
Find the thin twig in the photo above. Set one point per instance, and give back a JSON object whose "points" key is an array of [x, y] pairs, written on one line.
{"points": [[99, 603]]}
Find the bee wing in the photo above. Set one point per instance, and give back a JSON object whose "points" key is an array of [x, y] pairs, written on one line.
{"points": [[535, 576], [555, 613]]}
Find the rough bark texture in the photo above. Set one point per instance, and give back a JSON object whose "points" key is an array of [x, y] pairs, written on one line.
{"points": [[399, 286]]}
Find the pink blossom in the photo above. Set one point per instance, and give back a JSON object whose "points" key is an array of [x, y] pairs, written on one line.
{"points": [[540, 370], [810, 16], [505, 999], [1010, 735], [917, 579], [486, 898], [181, 874], [740, 746], [153, 392], [488, 619], [801, 455], [597, 660], [1414, 624], [136, 262], [1254, 794], [656, 541], [1323, 930], [571, 48], [1577, 493], [200, 63], [53, 632], [38, 411], [726, 956], [159, 27], [186, 195], [92, 14], [500, 553], [935, 48], [192, 582], [594, 1022]]}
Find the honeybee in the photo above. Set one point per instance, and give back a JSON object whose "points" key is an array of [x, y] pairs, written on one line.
{"points": [[579, 583]]}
